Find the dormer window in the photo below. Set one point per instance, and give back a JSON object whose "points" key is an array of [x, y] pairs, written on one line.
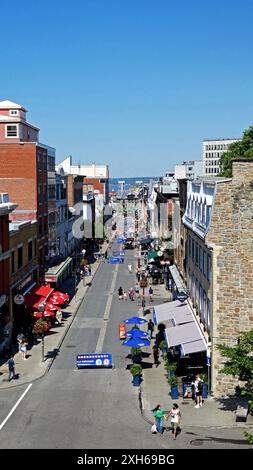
{"points": [[11, 130], [13, 112]]}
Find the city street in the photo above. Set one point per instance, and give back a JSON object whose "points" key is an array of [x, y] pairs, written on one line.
{"points": [[70, 408]]}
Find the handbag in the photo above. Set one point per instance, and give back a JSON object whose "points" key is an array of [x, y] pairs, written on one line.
{"points": [[153, 429]]}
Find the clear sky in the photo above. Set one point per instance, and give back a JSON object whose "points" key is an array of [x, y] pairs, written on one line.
{"points": [[136, 84]]}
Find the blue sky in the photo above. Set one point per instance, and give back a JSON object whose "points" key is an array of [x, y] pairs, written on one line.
{"points": [[136, 84]]}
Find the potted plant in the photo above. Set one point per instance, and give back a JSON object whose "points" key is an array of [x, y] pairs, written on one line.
{"points": [[41, 326], [136, 355], [136, 371], [171, 367], [164, 347], [204, 378], [173, 381]]}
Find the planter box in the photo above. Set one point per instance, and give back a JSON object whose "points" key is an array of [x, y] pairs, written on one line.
{"points": [[136, 380], [174, 392]]}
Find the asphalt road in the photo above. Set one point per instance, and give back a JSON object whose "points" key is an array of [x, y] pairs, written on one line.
{"points": [[84, 409]]}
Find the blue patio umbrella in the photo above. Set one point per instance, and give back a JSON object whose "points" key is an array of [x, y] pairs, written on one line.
{"points": [[135, 333], [135, 320], [136, 343]]}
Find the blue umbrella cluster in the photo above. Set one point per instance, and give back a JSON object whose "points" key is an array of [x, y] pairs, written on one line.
{"points": [[136, 343], [135, 320], [135, 333]]}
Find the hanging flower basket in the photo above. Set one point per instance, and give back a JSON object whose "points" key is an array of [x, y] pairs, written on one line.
{"points": [[41, 326]]}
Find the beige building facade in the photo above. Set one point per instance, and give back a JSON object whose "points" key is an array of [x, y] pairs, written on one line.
{"points": [[220, 262]]}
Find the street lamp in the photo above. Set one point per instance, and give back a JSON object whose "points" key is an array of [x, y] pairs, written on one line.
{"points": [[42, 308]]}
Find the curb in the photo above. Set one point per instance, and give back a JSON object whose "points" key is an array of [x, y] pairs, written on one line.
{"points": [[50, 363]]}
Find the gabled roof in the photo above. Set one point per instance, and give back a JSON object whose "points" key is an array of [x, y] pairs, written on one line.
{"points": [[7, 104]]}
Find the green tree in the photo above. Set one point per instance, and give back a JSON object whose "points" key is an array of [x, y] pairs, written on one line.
{"points": [[240, 356], [241, 149]]}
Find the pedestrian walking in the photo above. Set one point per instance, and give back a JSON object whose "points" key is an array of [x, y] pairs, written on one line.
{"points": [[23, 348], [159, 417], [150, 291], [150, 328], [120, 293], [156, 355], [129, 268], [125, 295], [138, 276], [11, 367], [198, 391], [175, 416], [20, 338], [143, 304], [131, 294], [137, 290], [89, 269]]}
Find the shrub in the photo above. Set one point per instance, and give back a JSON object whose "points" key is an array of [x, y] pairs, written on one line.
{"points": [[173, 380], [136, 369]]}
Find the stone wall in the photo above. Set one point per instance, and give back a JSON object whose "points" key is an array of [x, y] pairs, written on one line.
{"points": [[230, 236]]}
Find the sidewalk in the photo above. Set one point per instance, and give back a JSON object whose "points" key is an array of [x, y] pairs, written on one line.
{"points": [[155, 389], [34, 368]]}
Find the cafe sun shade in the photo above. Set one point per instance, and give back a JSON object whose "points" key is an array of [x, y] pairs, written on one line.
{"points": [[136, 343], [135, 320], [135, 333]]}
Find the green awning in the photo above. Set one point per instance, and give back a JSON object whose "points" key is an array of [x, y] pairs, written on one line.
{"points": [[152, 254], [55, 271]]}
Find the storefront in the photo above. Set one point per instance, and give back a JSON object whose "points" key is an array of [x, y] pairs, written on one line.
{"points": [[5, 324], [57, 274]]}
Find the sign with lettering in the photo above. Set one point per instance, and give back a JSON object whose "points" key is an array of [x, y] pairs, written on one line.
{"points": [[19, 299], [122, 331], [93, 360], [116, 260], [118, 253], [182, 296]]}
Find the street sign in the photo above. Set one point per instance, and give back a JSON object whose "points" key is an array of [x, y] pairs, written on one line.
{"points": [[93, 360], [116, 260], [208, 361], [122, 331], [143, 283], [118, 253], [182, 296], [18, 299]]}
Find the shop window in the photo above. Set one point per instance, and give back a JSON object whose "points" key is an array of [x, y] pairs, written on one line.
{"points": [[12, 262], [30, 250], [20, 257]]}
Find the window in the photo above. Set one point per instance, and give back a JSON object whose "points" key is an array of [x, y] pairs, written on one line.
{"points": [[45, 224], [200, 259], [30, 250], [204, 263], [197, 254], [200, 301], [208, 313], [12, 130], [209, 267], [190, 246], [51, 191], [13, 112], [45, 162], [204, 307], [20, 257], [40, 225], [35, 247], [12, 262], [193, 250], [39, 193]]}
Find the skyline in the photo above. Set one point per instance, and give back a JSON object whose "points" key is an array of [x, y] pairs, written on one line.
{"points": [[136, 85]]}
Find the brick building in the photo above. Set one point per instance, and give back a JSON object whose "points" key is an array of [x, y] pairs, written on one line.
{"points": [[220, 261], [23, 170], [6, 208]]}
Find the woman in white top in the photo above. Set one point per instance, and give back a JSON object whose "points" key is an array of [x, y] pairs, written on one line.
{"points": [[175, 416]]}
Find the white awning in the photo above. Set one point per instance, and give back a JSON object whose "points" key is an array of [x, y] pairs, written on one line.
{"points": [[193, 347], [170, 310], [177, 279], [182, 334]]}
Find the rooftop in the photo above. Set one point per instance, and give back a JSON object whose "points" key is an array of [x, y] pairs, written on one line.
{"points": [[7, 104]]}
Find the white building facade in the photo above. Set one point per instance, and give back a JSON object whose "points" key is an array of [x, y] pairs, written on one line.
{"points": [[212, 151]]}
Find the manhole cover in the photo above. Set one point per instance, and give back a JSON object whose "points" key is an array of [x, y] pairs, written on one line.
{"points": [[196, 442], [185, 403], [70, 346]]}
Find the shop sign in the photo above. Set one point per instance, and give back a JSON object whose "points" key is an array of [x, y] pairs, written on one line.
{"points": [[3, 299], [122, 331], [182, 296], [93, 360], [50, 279], [25, 282], [143, 283], [19, 299]]}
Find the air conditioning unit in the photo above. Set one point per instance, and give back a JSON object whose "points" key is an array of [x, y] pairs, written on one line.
{"points": [[4, 198]]}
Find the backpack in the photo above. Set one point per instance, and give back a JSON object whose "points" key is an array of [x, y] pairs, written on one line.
{"points": [[200, 386]]}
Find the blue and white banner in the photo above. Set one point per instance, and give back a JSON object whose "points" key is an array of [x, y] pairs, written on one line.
{"points": [[116, 260], [93, 360]]}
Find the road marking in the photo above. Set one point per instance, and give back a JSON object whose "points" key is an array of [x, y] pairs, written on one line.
{"points": [[102, 333], [14, 407]]}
